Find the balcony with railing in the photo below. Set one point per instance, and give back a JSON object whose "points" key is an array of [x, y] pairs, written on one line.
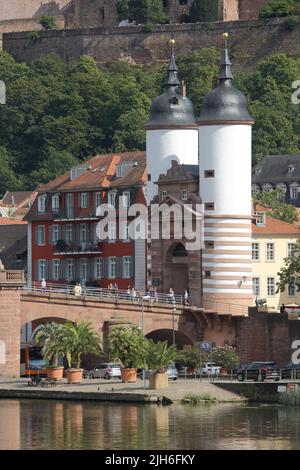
{"points": [[77, 247], [69, 213], [12, 278]]}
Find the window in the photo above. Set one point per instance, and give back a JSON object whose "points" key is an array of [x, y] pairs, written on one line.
{"points": [[207, 274], [267, 188], [291, 168], [83, 200], [98, 268], [55, 203], [209, 173], [111, 198], [83, 232], [112, 231], [42, 269], [42, 204], [70, 270], [292, 290], [83, 270], [294, 190], [149, 176], [282, 187], [256, 286], [291, 249], [112, 265], [40, 235], [184, 194], [55, 269], [255, 189], [255, 251], [126, 199], [164, 194], [119, 172], [55, 233], [209, 206], [69, 233], [260, 219], [270, 251], [257, 170], [209, 245], [97, 199], [271, 286], [126, 267]]}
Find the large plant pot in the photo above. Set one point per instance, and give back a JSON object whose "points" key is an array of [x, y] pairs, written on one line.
{"points": [[128, 375], [223, 372], [55, 373], [158, 380], [74, 376]]}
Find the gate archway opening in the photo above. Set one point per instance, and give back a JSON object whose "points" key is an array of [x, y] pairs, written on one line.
{"points": [[167, 335]]}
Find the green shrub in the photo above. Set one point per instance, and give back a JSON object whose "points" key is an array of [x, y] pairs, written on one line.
{"points": [[277, 8], [290, 23], [48, 22], [225, 356], [203, 10], [35, 35]]}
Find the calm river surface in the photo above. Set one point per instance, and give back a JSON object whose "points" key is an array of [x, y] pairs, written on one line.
{"points": [[41, 424]]}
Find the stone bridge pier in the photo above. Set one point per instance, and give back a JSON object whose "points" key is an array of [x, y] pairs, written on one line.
{"points": [[11, 283]]}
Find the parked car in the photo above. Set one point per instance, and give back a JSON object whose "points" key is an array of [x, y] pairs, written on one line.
{"points": [[172, 373], [210, 369], [106, 370], [259, 371], [291, 371]]}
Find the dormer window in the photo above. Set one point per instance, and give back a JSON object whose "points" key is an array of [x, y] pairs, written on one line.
{"points": [[174, 101], [42, 204], [164, 195], [294, 191], [257, 170], [260, 218], [281, 187], [291, 168], [55, 203], [119, 173], [255, 189], [267, 188]]}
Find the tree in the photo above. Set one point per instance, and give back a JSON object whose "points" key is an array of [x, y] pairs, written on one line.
{"points": [[203, 10], [277, 8], [225, 356], [289, 274], [159, 355], [123, 9], [77, 339], [146, 11], [48, 22], [49, 338], [8, 179], [275, 202], [128, 345]]}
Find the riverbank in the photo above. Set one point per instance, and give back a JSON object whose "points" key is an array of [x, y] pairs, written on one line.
{"points": [[115, 391]]}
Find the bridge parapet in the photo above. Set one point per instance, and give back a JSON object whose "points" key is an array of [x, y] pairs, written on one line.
{"points": [[11, 278]]}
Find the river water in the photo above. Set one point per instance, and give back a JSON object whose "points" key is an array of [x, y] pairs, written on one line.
{"points": [[43, 424]]}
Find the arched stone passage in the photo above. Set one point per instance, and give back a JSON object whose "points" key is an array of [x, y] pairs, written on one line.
{"points": [[177, 275], [167, 335]]}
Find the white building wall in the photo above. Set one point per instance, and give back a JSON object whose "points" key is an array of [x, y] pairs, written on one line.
{"points": [[226, 149], [165, 145]]}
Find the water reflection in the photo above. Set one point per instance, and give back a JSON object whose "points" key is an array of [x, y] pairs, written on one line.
{"points": [[43, 424]]}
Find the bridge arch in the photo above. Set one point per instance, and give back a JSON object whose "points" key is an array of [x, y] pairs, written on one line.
{"points": [[165, 334]]}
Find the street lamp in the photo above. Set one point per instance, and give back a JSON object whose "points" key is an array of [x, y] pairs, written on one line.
{"points": [[173, 320]]}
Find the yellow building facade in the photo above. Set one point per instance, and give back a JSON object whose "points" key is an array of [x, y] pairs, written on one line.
{"points": [[272, 241]]}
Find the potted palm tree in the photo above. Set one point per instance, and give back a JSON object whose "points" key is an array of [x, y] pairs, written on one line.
{"points": [[48, 337], [158, 356], [127, 344], [77, 339]]}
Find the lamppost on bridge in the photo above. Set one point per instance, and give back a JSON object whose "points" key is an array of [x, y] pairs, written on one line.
{"points": [[173, 320]]}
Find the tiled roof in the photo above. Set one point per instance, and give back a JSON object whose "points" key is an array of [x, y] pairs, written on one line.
{"points": [[275, 169], [275, 227], [101, 173], [7, 221]]}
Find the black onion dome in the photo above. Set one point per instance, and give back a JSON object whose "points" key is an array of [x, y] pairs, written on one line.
{"points": [[171, 108], [225, 102]]}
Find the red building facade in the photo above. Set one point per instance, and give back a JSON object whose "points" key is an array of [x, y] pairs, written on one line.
{"points": [[63, 244]]}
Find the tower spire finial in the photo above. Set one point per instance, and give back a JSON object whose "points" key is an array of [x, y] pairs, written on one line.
{"points": [[225, 71], [172, 79]]}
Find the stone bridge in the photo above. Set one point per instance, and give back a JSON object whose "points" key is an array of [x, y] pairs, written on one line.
{"points": [[158, 321]]}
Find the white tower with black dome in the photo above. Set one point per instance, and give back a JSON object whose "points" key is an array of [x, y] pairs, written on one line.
{"points": [[172, 133], [225, 148]]}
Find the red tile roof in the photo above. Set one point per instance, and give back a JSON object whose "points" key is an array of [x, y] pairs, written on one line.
{"points": [[6, 221], [275, 227]]}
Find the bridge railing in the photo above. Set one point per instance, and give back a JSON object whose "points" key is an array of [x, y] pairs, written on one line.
{"points": [[101, 293]]}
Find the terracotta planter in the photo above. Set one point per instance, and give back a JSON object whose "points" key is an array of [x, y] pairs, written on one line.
{"points": [[223, 372], [74, 376], [128, 375], [158, 380], [55, 373]]}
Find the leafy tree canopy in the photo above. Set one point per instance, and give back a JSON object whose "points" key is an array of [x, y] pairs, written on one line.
{"points": [[275, 202], [142, 11], [202, 10], [289, 274], [277, 8]]}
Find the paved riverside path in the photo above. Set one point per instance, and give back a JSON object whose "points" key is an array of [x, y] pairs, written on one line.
{"points": [[112, 390]]}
